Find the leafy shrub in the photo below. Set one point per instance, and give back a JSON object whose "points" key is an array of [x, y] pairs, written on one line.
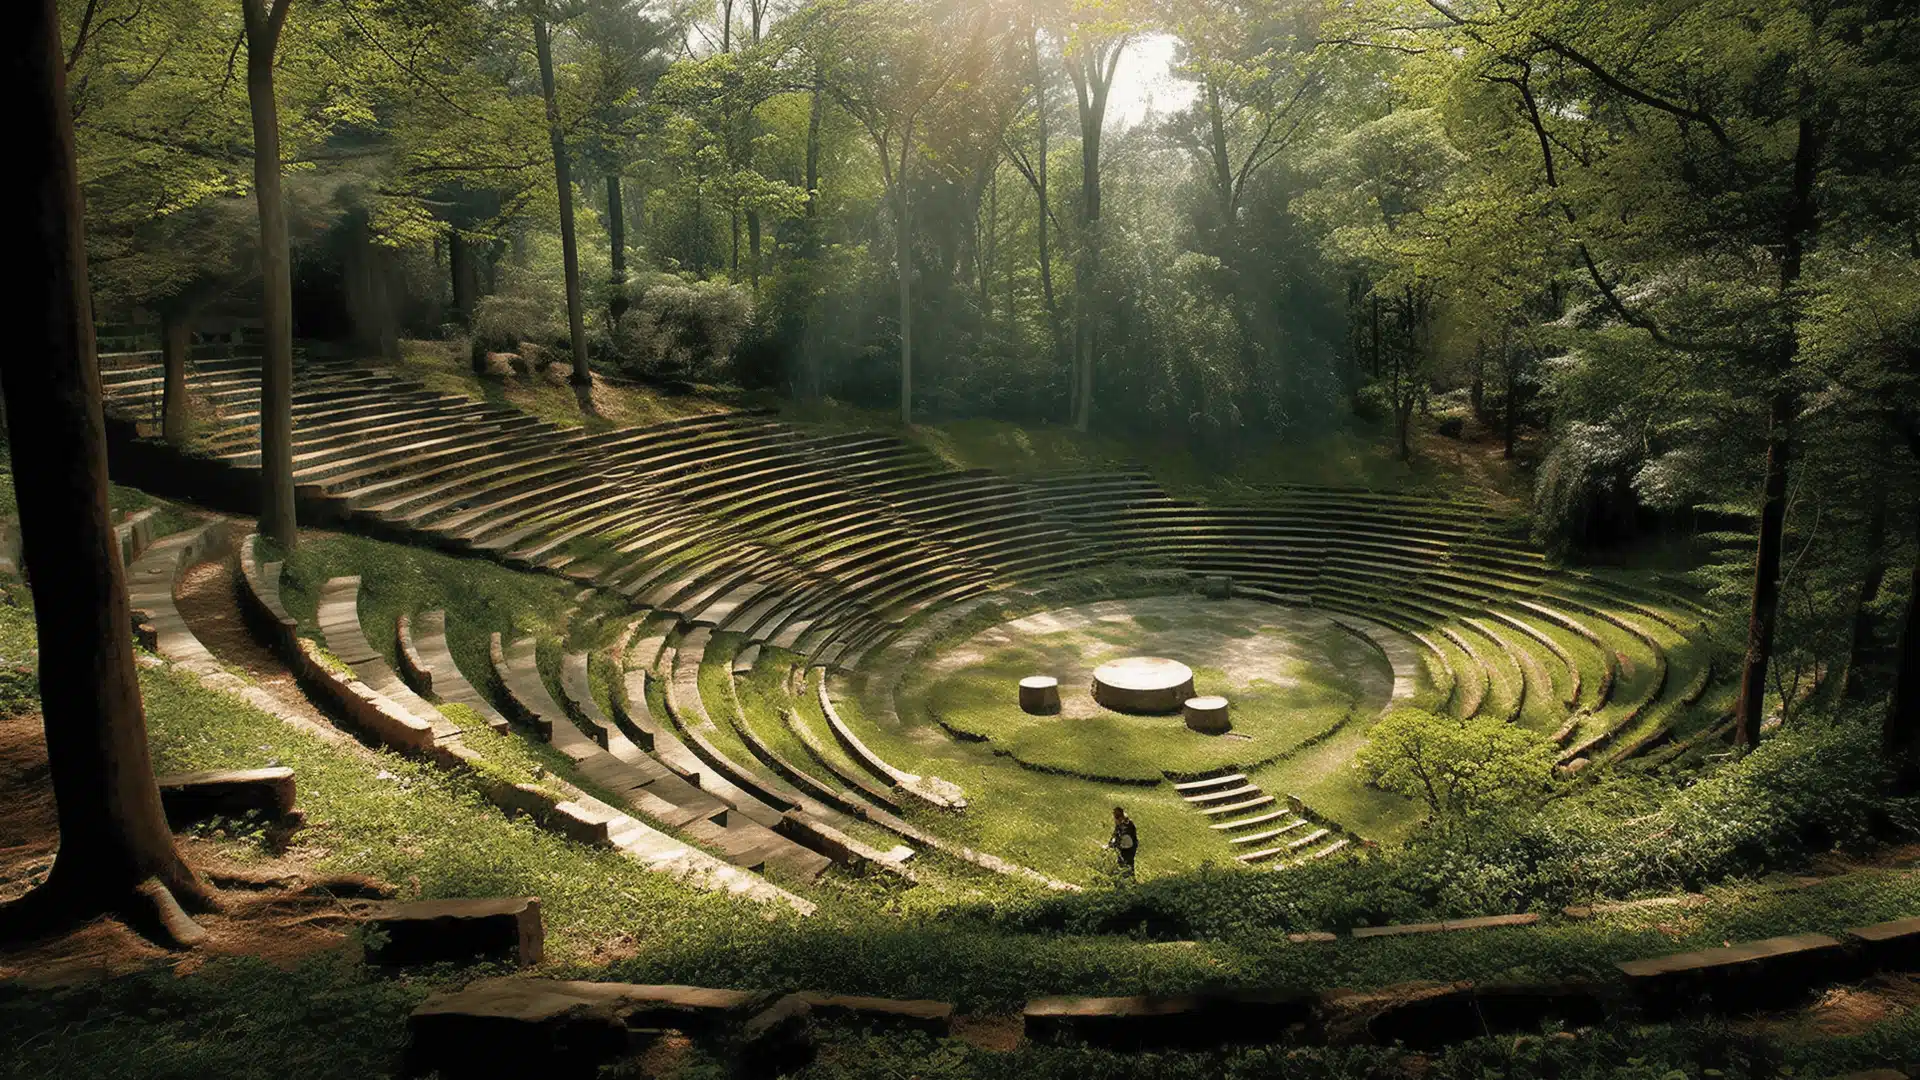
{"points": [[681, 328], [1466, 771], [1814, 785]]}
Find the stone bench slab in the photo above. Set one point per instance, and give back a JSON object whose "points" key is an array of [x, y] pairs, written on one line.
{"points": [[1750, 975], [519, 1027], [1889, 946], [432, 931], [934, 1017], [231, 793]]}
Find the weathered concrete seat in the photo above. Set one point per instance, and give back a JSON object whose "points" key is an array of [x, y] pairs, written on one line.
{"points": [[435, 931], [1889, 946], [231, 793], [1186, 1020], [1426, 1016], [518, 1027], [1750, 975]]}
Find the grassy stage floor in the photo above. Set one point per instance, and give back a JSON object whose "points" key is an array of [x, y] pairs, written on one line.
{"points": [[1291, 677]]}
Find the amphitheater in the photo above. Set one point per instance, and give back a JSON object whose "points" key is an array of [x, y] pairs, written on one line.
{"points": [[877, 608]]}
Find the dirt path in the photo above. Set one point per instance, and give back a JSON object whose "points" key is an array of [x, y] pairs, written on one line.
{"points": [[207, 601]]}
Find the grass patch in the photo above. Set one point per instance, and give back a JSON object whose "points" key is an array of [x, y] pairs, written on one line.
{"points": [[479, 596]]}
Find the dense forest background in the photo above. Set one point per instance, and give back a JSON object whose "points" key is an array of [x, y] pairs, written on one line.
{"points": [[1668, 250]]}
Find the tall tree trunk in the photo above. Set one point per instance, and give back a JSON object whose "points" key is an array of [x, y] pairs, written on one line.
{"points": [[1477, 386], [753, 249], [1853, 683], [983, 241], [465, 276], [176, 327], [1750, 709], [1900, 730], [1092, 71], [816, 109], [617, 242], [1509, 410], [1802, 218], [1045, 254], [116, 854], [277, 521], [1376, 336], [903, 250], [563, 179]]}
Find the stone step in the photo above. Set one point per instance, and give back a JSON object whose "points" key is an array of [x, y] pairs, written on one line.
{"points": [[1268, 834], [1235, 808], [1229, 793], [1211, 781], [1308, 840], [1250, 821]]}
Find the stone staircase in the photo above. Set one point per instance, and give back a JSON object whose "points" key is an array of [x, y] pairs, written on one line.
{"points": [[1260, 827]]}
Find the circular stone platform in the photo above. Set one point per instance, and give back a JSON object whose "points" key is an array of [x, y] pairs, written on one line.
{"points": [[1291, 674], [1142, 684]]}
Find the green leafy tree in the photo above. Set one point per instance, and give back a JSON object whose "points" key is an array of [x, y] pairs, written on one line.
{"points": [[1467, 772]]}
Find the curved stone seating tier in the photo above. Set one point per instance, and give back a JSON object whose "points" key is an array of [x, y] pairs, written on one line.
{"points": [[642, 782], [576, 684], [150, 588], [425, 639], [698, 729], [573, 813], [929, 789], [829, 758], [1401, 654], [822, 811], [338, 618], [260, 601]]}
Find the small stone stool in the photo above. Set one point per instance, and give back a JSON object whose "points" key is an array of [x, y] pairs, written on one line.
{"points": [[1040, 694], [1207, 714], [433, 931]]}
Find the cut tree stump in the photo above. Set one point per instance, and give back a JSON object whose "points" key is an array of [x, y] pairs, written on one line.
{"points": [[1040, 695], [433, 931], [1207, 714], [189, 798]]}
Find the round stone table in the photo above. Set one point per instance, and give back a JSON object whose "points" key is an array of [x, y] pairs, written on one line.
{"points": [[1040, 694], [1207, 714], [1143, 684]]}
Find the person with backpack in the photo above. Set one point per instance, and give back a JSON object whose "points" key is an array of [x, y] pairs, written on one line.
{"points": [[1126, 840]]}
